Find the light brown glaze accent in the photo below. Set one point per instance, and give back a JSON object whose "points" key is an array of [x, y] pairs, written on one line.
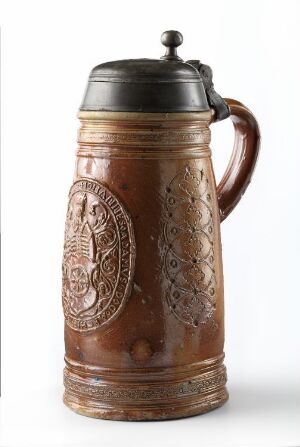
{"points": [[239, 171]]}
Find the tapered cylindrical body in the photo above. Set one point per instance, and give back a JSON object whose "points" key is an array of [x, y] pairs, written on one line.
{"points": [[142, 269], [142, 264]]}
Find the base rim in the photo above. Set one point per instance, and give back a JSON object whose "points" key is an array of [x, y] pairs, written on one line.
{"points": [[91, 409]]}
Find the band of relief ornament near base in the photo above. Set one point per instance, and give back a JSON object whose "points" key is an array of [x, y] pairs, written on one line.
{"points": [[195, 386]]}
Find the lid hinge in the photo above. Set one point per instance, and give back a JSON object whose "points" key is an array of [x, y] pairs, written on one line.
{"points": [[214, 99]]}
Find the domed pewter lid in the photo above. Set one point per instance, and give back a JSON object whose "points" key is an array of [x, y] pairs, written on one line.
{"points": [[149, 85]]}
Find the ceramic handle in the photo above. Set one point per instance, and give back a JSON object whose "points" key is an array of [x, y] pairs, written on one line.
{"points": [[243, 159]]}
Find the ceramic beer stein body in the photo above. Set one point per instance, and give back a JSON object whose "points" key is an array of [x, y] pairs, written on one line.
{"points": [[142, 266]]}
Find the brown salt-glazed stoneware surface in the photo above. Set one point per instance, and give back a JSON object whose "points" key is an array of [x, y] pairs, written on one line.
{"points": [[142, 267]]}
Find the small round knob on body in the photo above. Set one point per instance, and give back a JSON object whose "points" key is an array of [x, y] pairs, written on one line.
{"points": [[171, 40]]}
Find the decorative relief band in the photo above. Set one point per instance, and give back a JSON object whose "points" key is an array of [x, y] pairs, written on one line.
{"points": [[196, 386], [144, 153], [99, 255], [189, 249], [155, 374], [143, 138]]}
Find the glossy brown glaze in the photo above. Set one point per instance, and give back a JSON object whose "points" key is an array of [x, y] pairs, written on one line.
{"points": [[243, 159], [142, 270]]}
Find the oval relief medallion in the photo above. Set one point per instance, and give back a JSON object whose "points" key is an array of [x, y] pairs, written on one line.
{"points": [[99, 255]]}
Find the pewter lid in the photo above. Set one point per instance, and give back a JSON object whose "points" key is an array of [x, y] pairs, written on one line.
{"points": [[148, 85]]}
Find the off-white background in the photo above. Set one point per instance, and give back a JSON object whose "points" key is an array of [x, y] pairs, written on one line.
{"points": [[48, 49]]}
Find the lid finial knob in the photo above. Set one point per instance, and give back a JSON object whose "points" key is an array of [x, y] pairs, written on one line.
{"points": [[171, 40]]}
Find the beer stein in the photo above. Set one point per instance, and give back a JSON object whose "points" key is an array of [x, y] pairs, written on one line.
{"points": [[142, 268]]}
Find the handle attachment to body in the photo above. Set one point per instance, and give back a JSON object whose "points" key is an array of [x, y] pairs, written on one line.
{"points": [[246, 144], [239, 171]]}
